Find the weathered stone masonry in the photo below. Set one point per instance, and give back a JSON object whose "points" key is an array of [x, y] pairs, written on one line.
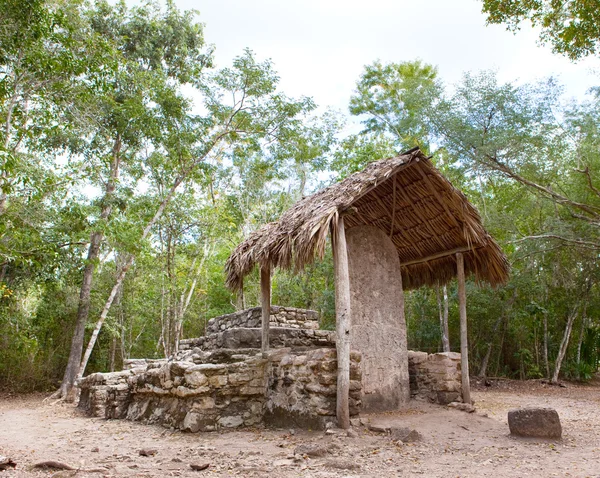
{"points": [[289, 317], [435, 377], [222, 380]]}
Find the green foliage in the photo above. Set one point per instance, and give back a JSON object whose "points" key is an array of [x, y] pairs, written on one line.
{"points": [[391, 98], [570, 26], [100, 134]]}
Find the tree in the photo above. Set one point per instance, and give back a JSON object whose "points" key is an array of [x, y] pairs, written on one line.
{"points": [[138, 59], [570, 26], [531, 164], [392, 98], [245, 111]]}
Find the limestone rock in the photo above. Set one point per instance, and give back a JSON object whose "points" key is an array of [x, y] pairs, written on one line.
{"points": [[405, 434], [6, 463], [378, 428], [312, 449], [464, 407], [148, 451], [535, 422]]}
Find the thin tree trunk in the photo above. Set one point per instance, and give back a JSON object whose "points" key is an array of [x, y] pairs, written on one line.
{"points": [[564, 344], [581, 332], [443, 313], [545, 345], [582, 329], [122, 274], [7, 134], [186, 299], [486, 359], [83, 309], [157, 215], [500, 350], [113, 352]]}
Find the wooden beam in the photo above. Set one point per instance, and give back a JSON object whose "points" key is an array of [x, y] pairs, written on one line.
{"points": [[393, 208], [464, 346], [439, 255], [342, 321], [265, 302]]}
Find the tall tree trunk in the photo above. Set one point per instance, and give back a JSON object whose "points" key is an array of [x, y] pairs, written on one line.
{"points": [[157, 215], [83, 309], [113, 353], [7, 133], [122, 274], [582, 331], [186, 297], [443, 313], [564, 344], [486, 359], [545, 345], [545, 323], [500, 350]]}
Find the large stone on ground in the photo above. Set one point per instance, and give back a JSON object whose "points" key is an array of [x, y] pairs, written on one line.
{"points": [[534, 422]]}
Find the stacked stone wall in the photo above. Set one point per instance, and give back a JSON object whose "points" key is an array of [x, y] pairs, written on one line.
{"points": [[289, 317], [225, 389], [182, 394], [222, 380], [200, 397], [240, 337], [302, 387], [435, 377]]}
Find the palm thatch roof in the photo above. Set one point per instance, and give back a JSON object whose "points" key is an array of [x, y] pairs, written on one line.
{"points": [[427, 218]]}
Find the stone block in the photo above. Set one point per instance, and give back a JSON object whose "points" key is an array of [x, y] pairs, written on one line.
{"points": [[231, 421], [192, 422], [203, 403], [535, 422], [417, 357], [327, 379], [299, 360], [250, 390], [239, 378], [196, 378], [446, 397], [218, 381], [184, 392]]}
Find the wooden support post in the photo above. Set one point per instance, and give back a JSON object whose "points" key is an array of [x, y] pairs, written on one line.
{"points": [[343, 322], [265, 302], [464, 345]]}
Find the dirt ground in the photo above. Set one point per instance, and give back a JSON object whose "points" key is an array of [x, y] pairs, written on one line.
{"points": [[454, 443]]}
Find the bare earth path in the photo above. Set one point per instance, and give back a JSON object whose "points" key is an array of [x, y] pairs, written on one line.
{"points": [[454, 444]]}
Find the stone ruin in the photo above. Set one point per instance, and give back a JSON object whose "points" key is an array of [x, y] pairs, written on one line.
{"points": [[223, 380]]}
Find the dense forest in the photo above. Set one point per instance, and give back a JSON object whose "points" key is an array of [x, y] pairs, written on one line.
{"points": [[130, 167]]}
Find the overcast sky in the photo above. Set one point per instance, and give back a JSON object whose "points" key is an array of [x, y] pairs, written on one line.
{"points": [[319, 47]]}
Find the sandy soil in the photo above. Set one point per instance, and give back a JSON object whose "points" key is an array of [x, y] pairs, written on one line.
{"points": [[454, 443]]}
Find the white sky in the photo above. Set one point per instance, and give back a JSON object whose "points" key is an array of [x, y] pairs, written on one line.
{"points": [[319, 47]]}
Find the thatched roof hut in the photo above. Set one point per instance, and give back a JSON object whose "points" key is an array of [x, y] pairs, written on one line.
{"points": [[436, 233], [427, 218]]}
